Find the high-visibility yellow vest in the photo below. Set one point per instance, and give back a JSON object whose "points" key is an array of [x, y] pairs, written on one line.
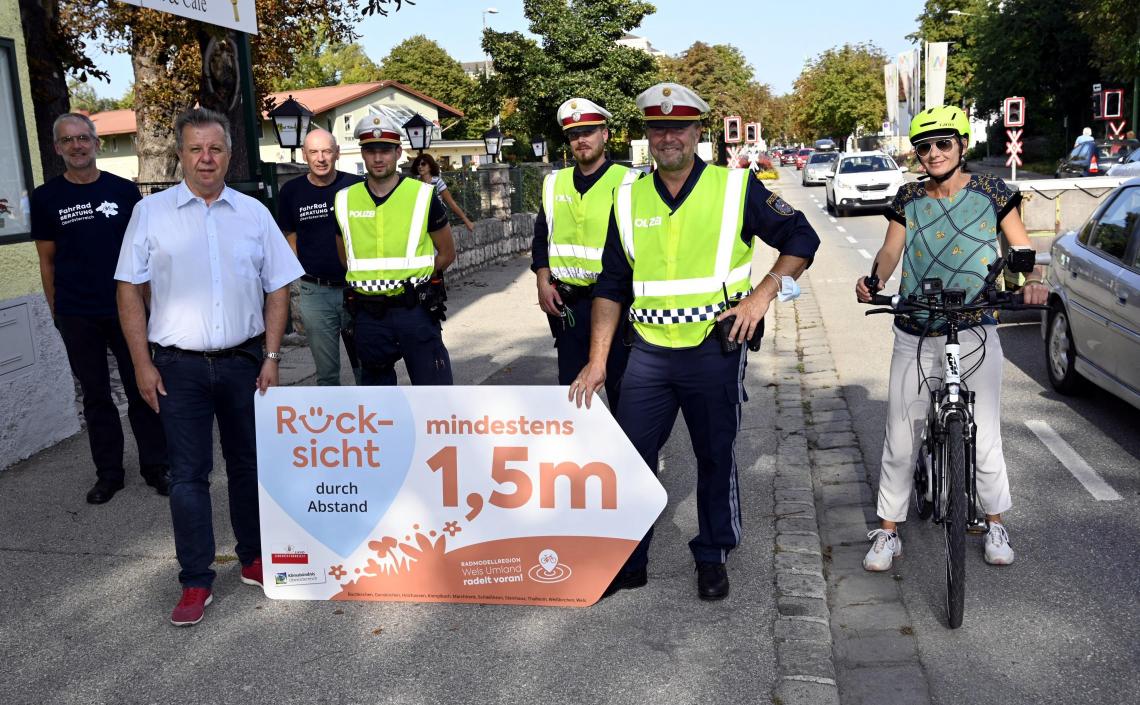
{"points": [[576, 224], [386, 244], [683, 261]]}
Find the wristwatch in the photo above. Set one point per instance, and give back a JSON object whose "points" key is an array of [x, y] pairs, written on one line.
{"points": [[275, 356]]}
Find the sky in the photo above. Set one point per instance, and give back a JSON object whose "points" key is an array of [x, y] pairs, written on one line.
{"points": [[776, 37]]}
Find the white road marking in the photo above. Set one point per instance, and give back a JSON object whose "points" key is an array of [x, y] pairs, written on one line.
{"points": [[832, 219], [840, 228], [851, 240], [866, 254], [1073, 462]]}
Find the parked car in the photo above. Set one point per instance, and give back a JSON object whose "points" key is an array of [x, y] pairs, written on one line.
{"points": [[1128, 166], [862, 180], [1092, 328], [1094, 158], [802, 157], [818, 164], [788, 156], [824, 144]]}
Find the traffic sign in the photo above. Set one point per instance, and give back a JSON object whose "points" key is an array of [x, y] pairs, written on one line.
{"points": [[1013, 161], [1116, 129], [1013, 148]]}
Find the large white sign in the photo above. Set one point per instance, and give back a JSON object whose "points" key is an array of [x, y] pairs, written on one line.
{"points": [[500, 495], [231, 14], [936, 57]]}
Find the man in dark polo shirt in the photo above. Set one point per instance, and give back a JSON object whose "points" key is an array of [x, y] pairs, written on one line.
{"points": [[305, 214], [78, 220]]}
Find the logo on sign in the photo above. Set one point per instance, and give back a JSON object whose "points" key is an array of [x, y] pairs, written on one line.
{"points": [[549, 570]]}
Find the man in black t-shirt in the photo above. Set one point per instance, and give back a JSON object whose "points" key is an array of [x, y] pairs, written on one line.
{"points": [[78, 220], [305, 213]]}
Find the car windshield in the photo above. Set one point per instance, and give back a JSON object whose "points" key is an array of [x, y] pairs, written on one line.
{"points": [[861, 165], [804, 152], [1115, 149], [822, 158]]}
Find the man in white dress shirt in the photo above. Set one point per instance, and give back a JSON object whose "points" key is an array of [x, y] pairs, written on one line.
{"points": [[218, 269]]}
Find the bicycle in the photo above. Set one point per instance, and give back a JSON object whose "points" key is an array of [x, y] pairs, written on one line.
{"points": [[945, 478]]}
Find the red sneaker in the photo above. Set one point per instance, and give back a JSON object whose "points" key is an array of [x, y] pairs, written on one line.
{"points": [[191, 607], [251, 574]]}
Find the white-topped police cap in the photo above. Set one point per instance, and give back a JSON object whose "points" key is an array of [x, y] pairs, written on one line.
{"points": [[670, 103], [579, 112], [377, 129]]}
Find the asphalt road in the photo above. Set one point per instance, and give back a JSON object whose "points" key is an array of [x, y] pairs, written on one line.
{"points": [[1061, 625]]}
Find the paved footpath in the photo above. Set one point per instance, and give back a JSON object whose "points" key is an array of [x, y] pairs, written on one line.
{"points": [[87, 590]]}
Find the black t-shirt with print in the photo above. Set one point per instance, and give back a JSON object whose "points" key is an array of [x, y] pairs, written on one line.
{"points": [[86, 222]]}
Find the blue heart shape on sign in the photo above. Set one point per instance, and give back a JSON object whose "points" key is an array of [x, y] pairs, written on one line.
{"points": [[334, 458]]}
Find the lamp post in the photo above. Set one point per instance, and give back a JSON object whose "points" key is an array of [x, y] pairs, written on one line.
{"points": [[290, 124], [538, 144], [493, 142], [419, 131], [486, 58]]}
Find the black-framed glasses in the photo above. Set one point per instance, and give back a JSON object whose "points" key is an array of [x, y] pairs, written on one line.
{"points": [[81, 139], [577, 132], [944, 145]]}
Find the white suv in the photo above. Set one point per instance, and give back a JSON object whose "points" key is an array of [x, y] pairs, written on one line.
{"points": [[861, 180]]}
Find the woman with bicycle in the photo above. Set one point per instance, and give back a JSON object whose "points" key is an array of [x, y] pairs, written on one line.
{"points": [[947, 227]]}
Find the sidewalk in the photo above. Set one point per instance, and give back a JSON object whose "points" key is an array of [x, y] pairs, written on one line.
{"points": [[88, 589]]}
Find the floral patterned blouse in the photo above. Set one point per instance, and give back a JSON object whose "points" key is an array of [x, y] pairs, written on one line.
{"points": [[953, 239]]}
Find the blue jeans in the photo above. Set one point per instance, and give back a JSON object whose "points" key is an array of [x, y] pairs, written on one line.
{"points": [[326, 324], [198, 390]]}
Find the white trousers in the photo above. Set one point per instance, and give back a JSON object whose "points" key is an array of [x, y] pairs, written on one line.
{"points": [[907, 405]]}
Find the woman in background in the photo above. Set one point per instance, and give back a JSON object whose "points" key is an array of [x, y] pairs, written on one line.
{"points": [[427, 170]]}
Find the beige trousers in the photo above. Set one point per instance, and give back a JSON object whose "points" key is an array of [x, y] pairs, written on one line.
{"points": [[907, 405]]}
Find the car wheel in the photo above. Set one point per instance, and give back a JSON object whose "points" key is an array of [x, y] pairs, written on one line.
{"points": [[1061, 353]]}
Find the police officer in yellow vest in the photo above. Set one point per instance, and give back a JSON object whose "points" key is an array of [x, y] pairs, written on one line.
{"points": [[569, 234], [395, 242], [679, 245]]}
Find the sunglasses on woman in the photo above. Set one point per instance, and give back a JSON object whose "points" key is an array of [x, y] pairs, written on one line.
{"points": [[944, 145]]}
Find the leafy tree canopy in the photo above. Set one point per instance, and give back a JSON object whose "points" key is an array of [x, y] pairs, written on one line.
{"points": [[575, 56], [938, 24], [720, 74], [840, 91], [327, 63], [83, 98], [421, 63]]}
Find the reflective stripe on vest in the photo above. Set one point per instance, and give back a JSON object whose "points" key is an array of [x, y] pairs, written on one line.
{"points": [[386, 245], [577, 223], [679, 276]]}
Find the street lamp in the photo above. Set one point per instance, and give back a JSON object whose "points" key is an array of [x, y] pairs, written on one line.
{"points": [[538, 144], [291, 123], [493, 142], [486, 58], [419, 132]]}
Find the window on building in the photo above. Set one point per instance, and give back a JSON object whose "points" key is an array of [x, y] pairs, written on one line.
{"points": [[360, 168], [348, 127], [15, 152]]}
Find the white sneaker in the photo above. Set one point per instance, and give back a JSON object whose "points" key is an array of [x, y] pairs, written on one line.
{"points": [[885, 546], [998, 550]]}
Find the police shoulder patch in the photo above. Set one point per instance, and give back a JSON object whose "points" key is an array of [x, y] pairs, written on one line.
{"points": [[779, 205]]}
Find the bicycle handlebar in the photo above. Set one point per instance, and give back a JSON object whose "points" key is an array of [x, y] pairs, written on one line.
{"points": [[988, 298]]}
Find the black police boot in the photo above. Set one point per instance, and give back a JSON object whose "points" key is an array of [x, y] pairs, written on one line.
{"points": [[103, 491], [158, 477], [712, 581], [627, 580]]}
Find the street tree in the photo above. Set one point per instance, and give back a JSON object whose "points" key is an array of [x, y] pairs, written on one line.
{"points": [[1114, 27], [575, 54], [1035, 49], [324, 62], [83, 97], [841, 91], [721, 75], [422, 64]]}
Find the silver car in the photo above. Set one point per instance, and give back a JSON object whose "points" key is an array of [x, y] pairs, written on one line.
{"points": [[1092, 328], [817, 166], [1129, 166]]}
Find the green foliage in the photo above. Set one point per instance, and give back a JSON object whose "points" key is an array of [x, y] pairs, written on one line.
{"points": [[575, 56], [1114, 26], [841, 90], [1035, 49], [937, 24], [421, 63], [722, 76], [328, 63], [83, 97]]}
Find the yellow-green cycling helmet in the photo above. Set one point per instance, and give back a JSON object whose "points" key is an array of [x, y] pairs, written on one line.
{"points": [[941, 119]]}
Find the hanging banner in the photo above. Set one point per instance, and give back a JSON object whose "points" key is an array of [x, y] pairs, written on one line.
{"points": [[906, 88], [891, 83], [936, 57], [498, 495], [240, 15]]}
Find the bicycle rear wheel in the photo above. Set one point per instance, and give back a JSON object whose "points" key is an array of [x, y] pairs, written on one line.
{"points": [[923, 504], [955, 523]]}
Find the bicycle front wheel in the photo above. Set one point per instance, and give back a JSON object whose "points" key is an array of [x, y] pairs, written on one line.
{"points": [[955, 522]]}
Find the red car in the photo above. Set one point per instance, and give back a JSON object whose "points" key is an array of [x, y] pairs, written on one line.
{"points": [[802, 157], [788, 156]]}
